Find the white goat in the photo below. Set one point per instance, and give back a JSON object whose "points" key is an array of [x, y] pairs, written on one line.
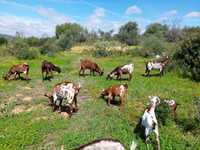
{"points": [[149, 121], [105, 144]]}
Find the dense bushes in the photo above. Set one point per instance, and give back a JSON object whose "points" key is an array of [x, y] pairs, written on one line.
{"points": [[188, 57], [29, 53]]}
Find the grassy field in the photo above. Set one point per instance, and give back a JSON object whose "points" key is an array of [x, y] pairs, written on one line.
{"points": [[27, 122]]}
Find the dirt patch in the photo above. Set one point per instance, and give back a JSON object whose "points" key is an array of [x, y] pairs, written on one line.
{"points": [[83, 96], [19, 95], [36, 107], [27, 99], [40, 118], [11, 98], [27, 88], [18, 109], [64, 114]]}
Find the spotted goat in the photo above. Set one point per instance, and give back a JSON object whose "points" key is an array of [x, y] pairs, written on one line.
{"points": [[65, 91], [158, 64], [120, 70]]}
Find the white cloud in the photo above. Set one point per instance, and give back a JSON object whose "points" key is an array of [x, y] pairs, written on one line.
{"points": [[133, 10], [53, 16], [95, 20], [167, 16], [193, 14], [171, 13], [27, 26], [99, 12]]}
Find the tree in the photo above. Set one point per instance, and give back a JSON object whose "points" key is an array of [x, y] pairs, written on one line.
{"points": [[188, 57], [128, 33], [70, 33], [157, 30], [3, 41]]}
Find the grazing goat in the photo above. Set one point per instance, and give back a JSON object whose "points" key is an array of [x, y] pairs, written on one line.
{"points": [[116, 90], [173, 105], [149, 121], [92, 66], [66, 91], [17, 70], [49, 67], [105, 144], [158, 64], [118, 71]]}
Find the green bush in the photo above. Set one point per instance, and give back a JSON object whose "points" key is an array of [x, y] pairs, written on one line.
{"points": [[188, 57], [50, 47], [30, 53], [163, 113], [152, 45], [101, 53]]}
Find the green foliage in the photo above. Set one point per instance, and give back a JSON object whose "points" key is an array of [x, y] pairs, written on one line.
{"points": [[157, 30], [128, 33], [163, 113], [50, 47], [188, 57], [30, 53], [152, 45], [32, 41], [101, 53], [3, 41], [68, 34]]}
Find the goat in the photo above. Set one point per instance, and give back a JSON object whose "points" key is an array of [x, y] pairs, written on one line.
{"points": [[49, 67], [66, 91], [105, 144], [173, 105], [149, 121], [115, 90], [118, 71], [17, 70], [92, 66], [158, 64]]}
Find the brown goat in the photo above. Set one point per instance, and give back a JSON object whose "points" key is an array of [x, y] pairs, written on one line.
{"points": [[17, 70], [49, 67], [116, 90], [92, 66]]}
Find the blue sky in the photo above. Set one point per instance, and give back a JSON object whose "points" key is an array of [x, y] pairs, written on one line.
{"points": [[39, 17]]}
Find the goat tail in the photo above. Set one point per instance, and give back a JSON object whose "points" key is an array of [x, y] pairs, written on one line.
{"points": [[133, 145]]}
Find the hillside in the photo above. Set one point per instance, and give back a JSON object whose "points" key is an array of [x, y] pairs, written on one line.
{"points": [[27, 122]]}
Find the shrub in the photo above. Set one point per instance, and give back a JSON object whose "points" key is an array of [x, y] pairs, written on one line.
{"points": [[50, 47], [188, 57], [163, 113], [30, 53], [101, 53], [152, 45]]}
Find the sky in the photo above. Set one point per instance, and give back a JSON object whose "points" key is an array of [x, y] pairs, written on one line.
{"points": [[40, 17]]}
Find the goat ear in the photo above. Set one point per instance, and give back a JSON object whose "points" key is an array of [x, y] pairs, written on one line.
{"points": [[150, 97]]}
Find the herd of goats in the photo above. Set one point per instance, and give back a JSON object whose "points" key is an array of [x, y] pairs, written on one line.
{"points": [[68, 92]]}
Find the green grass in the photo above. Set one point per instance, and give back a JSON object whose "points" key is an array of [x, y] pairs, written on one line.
{"points": [[40, 128]]}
